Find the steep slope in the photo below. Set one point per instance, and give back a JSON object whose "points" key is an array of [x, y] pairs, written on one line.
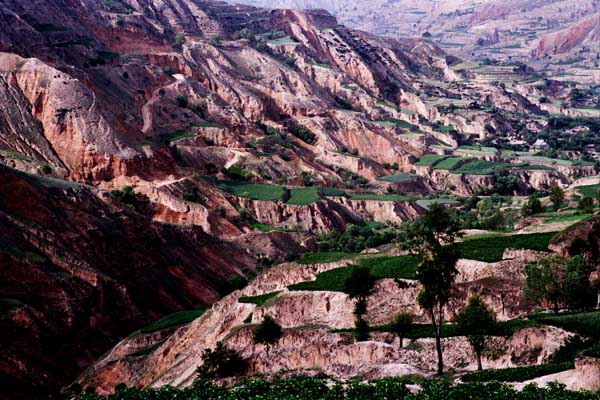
{"points": [[584, 33], [79, 271]]}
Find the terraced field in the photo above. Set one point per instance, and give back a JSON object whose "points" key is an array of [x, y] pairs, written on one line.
{"points": [[429, 160], [480, 167], [449, 163]]}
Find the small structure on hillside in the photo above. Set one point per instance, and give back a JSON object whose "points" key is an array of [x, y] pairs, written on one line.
{"points": [[540, 145]]}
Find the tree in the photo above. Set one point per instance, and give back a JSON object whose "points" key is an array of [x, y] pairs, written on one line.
{"points": [[402, 325], [432, 239], [557, 196], [222, 363], [586, 204], [476, 321], [532, 207], [560, 282], [180, 39], [268, 332], [359, 285]]}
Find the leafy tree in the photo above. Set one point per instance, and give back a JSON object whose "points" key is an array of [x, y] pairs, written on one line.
{"points": [[532, 207], [586, 204], [557, 196], [222, 363], [180, 39], [559, 281], [268, 332], [359, 285], [402, 325], [476, 321], [432, 238]]}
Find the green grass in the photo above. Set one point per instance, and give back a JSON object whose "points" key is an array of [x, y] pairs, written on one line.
{"points": [[333, 192], [480, 167], [491, 248], [397, 178], [267, 228], [303, 196], [517, 374], [567, 218], [426, 203], [449, 163], [146, 350], [397, 122], [178, 318], [536, 168], [252, 191], [175, 136], [589, 190], [403, 267], [324, 257], [585, 324], [258, 300], [429, 160], [478, 149], [380, 197]]}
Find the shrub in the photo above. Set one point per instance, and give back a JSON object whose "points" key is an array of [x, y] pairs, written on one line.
{"points": [[268, 332], [302, 133], [222, 363]]}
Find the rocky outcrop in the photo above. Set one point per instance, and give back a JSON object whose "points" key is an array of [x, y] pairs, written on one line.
{"points": [[77, 268], [586, 31]]}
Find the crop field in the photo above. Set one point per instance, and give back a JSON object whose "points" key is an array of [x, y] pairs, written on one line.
{"points": [[449, 163], [178, 318], [516, 374], [403, 267], [429, 160], [586, 324], [259, 300], [567, 218], [589, 190], [397, 178], [426, 203], [175, 136], [478, 150], [491, 248], [480, 167], [303, 196], [380, 197], [324, 257], [252, 191]]}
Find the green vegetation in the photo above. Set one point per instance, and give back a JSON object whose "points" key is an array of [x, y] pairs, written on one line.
{"points": [[567, 218], [313, 388], [146, 350], [303, 196], [589, 190], [476, 321], [449, 163], [479, 167], [586, 324], [426, 203], [259, 300], [356, 238], [402, 267], [252, 191], [173, 137], [518, 374], [430, 160], [397, 178], [178, 318], [380, 197], [324, 257], [206, 124], [268, 332], [491, 248], [398, 123]]}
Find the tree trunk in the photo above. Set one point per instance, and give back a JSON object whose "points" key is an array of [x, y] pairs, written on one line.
{"points": [[598, 301], [437, 326], [401, 341], [479, 367]]}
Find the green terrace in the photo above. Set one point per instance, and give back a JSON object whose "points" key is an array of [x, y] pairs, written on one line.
{"points": [[397, 178], [397, 123], [306, 195], [430, 160], [489, 248], [477, 150], [589, 190]]}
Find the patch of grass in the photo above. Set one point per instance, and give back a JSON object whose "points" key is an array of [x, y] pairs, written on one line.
{"points": [[303, 196], [518, 374], [397, 178], [585, 324], [491, 248], [175, 136], [146, 350], [429, 160], [252, 191], [403, 267], [589, 190], [175, 319], [397, 122], [206, 124], [267, 228], [324, 257], [449, 163], [567, 218], [380, 197], [480, 167], [258, 300], [333, 192]]}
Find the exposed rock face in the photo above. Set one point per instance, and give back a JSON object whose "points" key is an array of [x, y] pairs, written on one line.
{"points": [[586, 31], [588, 373], [309, 344], [77, 269]]}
